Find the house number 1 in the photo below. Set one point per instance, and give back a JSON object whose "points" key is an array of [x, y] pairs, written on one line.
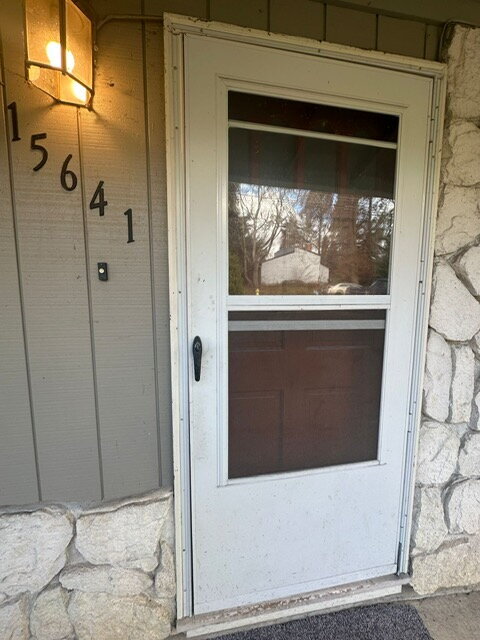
{"points": [[12, 107]]}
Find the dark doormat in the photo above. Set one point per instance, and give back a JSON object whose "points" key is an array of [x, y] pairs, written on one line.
{"points": [[376, 622]]}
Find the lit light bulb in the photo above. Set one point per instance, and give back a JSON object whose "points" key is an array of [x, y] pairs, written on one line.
{"points": [[54, 54], [79, 91]]}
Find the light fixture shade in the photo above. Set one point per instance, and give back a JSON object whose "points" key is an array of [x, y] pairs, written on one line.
{"points": [[59, 50]]}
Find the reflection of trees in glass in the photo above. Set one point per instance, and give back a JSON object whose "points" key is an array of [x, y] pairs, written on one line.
{"points": [[309, 225], [374, 233], [357, 247], [257, 214], [350, 233]]}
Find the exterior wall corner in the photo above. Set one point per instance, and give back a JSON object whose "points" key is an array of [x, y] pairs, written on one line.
{"points": [[446, 527]]}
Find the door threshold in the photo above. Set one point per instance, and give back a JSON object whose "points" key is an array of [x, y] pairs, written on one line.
{"points": [[241, 618]]}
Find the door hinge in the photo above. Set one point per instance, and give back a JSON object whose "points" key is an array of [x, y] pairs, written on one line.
{"points": [[399, 560], [399, 555]]}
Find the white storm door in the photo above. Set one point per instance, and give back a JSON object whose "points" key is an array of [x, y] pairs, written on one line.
{"points": [[305, 180]]}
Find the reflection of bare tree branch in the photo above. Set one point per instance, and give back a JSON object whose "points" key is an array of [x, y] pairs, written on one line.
{"points": [[315, 219], [262, 211]]}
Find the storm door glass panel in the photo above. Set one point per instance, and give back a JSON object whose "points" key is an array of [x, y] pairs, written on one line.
{"points": [[311, 197], [304, 389]]}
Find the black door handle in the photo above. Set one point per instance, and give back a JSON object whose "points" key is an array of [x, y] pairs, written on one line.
{"points": [[197, 357]]}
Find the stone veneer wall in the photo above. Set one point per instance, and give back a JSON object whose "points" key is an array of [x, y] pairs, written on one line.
{"points": [[101, 573], [446, 533]]}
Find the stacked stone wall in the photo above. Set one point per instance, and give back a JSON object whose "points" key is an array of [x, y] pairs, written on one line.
{"points": [[103, 573], [446, 529]]}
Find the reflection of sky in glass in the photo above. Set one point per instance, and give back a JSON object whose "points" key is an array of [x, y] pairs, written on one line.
{"points": [[273, 202]]}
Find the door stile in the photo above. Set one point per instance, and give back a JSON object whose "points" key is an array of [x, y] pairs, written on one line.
{"points": [[222, 276], [178, 300]]}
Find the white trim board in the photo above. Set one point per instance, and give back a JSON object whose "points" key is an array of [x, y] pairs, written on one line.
{"points": [[178, 24], [177, 179]]}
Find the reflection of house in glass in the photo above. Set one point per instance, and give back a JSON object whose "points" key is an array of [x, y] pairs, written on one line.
{"points": [[294, 265]]}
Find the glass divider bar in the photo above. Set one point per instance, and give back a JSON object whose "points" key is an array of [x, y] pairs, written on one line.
{"points": [[307, 303], [304, 325], [253, 126]]}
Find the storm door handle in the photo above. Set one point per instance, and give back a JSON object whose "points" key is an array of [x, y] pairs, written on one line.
{"points": [[197, 357]]}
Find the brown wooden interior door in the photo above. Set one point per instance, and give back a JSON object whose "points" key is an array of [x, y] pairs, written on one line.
{"points": [[303, 399]]}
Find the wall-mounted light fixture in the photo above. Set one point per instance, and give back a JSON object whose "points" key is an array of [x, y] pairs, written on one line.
{"points": [[59, 43]]}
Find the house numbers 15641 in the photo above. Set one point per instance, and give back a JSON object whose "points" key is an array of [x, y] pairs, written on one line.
{"points": [[68, 178]]}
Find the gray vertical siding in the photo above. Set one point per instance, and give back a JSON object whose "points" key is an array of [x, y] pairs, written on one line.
{"points": [[113, 150], [97, 352], [155, 147], [362, 27], [51, 257], [253, 13], [84, 365], [18, 474], [303, 18], [405, 37], [347, 26]]}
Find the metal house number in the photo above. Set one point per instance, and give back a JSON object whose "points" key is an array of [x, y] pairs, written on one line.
{"points": [[68, 178]]}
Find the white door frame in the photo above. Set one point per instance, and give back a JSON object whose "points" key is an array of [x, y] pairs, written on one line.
{"points": [[175, 27]]}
